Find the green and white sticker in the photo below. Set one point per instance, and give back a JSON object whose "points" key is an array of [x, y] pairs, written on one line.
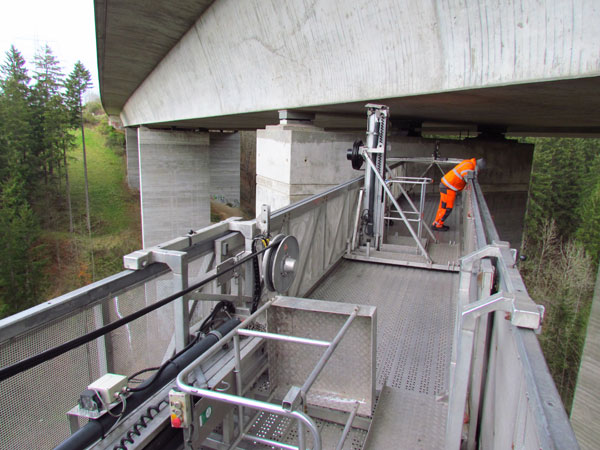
{"points": [[205, 415]]}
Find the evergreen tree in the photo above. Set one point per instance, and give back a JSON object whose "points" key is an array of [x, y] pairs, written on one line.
{"points": [[16, 139], [50, 111], [589, 232], [563, 242], [78, 82], [20, 260]]}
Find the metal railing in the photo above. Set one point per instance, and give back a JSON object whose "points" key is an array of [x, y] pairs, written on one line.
{"points": [[415, 214], [294, 402], [323, 224], [502, 379]]}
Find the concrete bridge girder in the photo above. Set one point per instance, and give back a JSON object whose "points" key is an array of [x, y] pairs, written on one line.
{"points": [[476, 62]]}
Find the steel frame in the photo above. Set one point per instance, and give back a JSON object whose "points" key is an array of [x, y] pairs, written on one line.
{"points": [[294, 402]]}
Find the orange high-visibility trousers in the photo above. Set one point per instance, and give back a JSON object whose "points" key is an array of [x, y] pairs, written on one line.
{"points": [[447, 197]]}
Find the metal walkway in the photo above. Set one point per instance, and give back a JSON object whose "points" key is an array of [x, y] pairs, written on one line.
{"points": [[415, 315]]}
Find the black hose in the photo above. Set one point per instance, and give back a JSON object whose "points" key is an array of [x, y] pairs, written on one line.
{"points": [[223, 304], [96, 429]]}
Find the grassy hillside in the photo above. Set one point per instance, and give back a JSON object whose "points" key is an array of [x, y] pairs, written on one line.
{"points": [[115, 219]]}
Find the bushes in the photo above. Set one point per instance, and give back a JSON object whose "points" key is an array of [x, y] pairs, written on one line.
{"points": [[113, 138]]}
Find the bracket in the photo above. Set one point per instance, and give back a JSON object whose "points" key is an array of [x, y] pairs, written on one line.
{"points": [[514, 299], [264, 220], [140, 259]]}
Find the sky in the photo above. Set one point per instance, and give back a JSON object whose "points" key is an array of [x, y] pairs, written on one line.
{"points": [[67, 26]]}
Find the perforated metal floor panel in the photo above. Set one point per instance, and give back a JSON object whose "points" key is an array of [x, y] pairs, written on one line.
{"points": [[409, 420], [279, 428], [415, 315]]}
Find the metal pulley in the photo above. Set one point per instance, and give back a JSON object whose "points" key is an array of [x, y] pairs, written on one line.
{"points": [[280, 263], [353, 154]]}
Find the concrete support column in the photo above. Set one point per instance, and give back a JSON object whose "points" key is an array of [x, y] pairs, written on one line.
{"points": [[248, 172], [296, 161], [225, 167], [174, 183], [133, 160]]}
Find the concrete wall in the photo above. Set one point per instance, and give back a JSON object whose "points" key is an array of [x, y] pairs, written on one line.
{"points": [[505, 182], [248, 172], [296, 161], [225, 167], [260, 55], [585, 415], [133, 160], [174, 183]]}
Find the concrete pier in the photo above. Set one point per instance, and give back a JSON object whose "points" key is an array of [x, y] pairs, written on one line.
{"points": [[133, 159], [225, 167], [174, 183], [296, 161], [248, 172]]}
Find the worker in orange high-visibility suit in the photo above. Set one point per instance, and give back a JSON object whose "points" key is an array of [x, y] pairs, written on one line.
{"points": [[454, 181]]}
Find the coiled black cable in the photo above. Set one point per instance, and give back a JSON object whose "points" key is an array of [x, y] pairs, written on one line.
{"points": [[142, 423], [257, 283]]}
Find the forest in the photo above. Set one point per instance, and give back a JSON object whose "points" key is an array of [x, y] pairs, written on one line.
{"points": [[562, 248], [51, 241], [42, 131]]}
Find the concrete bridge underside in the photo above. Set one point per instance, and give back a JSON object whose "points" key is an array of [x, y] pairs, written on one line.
{"points": [[517, 66]]}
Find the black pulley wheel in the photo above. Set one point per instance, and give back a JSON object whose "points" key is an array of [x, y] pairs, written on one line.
{"points": [[353, 154], [268, 263]]}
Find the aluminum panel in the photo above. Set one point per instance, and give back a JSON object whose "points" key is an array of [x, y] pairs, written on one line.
{"points": [[407, 420], [416, 310], [349, 376]]}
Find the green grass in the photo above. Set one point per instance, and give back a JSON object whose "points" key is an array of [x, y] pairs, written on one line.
{"points": [[115, 219], [110, 202]]}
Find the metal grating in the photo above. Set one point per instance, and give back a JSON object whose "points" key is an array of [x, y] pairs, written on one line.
{"points": [[284, 430], [415, 313], [143, 342], [33, 414], [139, 344], [407, 420], [291, 363]]}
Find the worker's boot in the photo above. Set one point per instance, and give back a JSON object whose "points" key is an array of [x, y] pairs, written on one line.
{"points": [[442, 227]]}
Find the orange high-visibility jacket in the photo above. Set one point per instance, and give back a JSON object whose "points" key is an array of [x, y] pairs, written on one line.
{"points": [[455, 179]]}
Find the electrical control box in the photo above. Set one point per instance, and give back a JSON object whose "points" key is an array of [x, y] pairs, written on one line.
{"points": [[108, 387], [181, 409]]}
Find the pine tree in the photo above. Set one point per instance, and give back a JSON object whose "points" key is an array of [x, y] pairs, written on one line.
{"points": [[589, 232], [50, 111], [20, 260], [78, 82], [16, 138]]}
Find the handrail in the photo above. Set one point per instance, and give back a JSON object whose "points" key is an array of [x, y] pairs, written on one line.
{"points": [[86, 296], [417, 240], [511, 297], [238, 399], [291, 402]]}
